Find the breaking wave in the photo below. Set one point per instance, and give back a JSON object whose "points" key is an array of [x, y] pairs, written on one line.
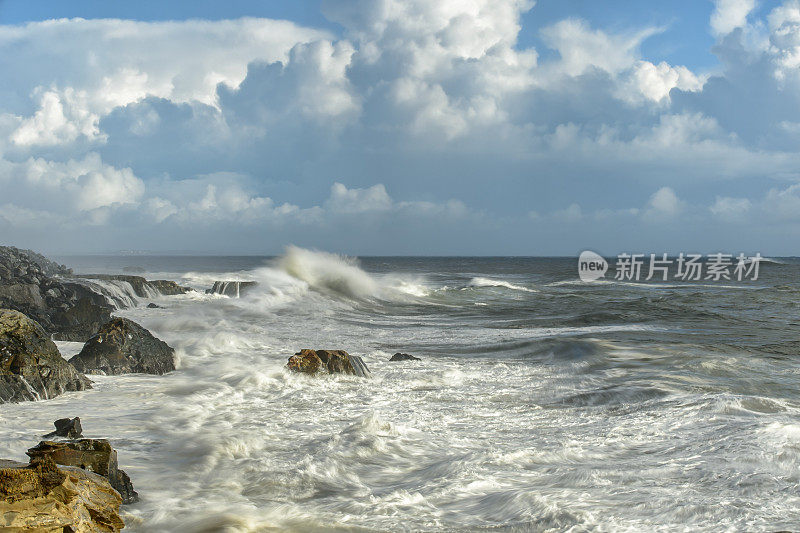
{"points": [[488, 282], [338, 274]]}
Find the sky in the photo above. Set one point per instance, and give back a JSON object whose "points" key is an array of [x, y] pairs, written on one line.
{"points": [[401, 127]]}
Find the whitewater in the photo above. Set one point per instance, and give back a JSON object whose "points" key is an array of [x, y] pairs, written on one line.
{"points": [[540, 403]]}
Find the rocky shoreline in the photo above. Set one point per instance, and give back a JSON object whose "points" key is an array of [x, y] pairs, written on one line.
{"points": [[71, 483]]}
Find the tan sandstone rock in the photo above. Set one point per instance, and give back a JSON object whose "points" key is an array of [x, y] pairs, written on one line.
{"points": [[42, 497]]}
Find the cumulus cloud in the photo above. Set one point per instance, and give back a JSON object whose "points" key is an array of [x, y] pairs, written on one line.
{"points": [[729, 15], [664, 203], [729, 208], [234, 124], [81, 185]]}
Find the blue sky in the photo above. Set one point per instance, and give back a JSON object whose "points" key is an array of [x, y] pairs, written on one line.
{"points": [[401, 126]]}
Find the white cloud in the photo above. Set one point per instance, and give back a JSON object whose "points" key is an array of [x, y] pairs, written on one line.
{"points": [[344, 200], [728, 208], [573, 213], [436, 95], [582, 47], [62, 117], [654, 82], [663, 203], [729, 15], [84, 184], [783, 204]]}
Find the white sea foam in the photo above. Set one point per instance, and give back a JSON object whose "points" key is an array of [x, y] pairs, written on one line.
{"points": [[488, 282], [465, 439]]}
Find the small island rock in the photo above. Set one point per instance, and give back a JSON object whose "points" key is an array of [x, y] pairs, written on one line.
{"points": [[404, 357], [121, 347]]}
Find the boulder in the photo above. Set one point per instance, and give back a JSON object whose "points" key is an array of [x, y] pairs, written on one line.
{"points": [[35, 286], [151, 305], [404, 357], [69, 428], [327, 362], [80, 321], [121, 347], [31, 368], [94, 455], [42, 497]]}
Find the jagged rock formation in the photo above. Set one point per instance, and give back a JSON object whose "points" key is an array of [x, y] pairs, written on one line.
{"points": [[31, 367], [68, 428], [327, 362], [41, 497], [122, 347], [28, 284], [94, 455], [67, 306], [142, 287]]}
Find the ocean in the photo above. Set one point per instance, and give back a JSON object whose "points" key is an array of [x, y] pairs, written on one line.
{"points": [[541, 403]]}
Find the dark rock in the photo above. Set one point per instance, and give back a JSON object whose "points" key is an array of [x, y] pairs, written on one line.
{"points": [[94, 455], [123, 346], [151, 305], [31, 368], [142, 287], [404, 357], [234, 289], [80, 321], [327, 362], [69, 428], [32, 285]]}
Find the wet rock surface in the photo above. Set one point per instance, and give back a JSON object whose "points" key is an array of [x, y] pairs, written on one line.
{"points": [[94, 455], [142, 287], [121, 347], [37, 287], [234, 289], [31, 367], [41, 497], [327, 362], [404, 357], [68, 428]]}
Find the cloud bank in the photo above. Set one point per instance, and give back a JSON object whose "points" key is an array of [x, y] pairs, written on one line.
{"points": [[422, 128]]}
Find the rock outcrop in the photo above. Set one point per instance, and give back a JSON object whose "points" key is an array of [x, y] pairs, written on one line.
{"points": [[68, 428], [122, 347], [404, 357], [94, 455], [31, 368], [234, 289], [327, 362], [41, 497], [33, 285], [142, 287]]}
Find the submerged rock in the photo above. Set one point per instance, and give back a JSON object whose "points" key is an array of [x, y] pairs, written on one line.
{"points": [[94, 455], [42, 497], [151, 305], [234, 289], [327, 362], [404, 357], [121, 347], [69, 428], [31, 368]]}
